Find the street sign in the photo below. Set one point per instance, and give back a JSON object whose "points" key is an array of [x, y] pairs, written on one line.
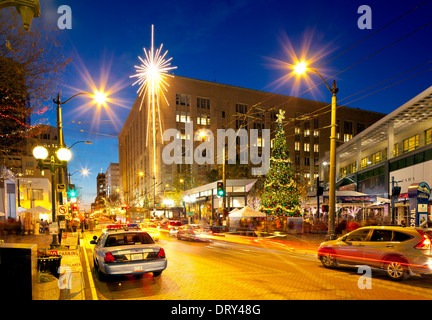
{"points": [[61, 187], [62, 210]]}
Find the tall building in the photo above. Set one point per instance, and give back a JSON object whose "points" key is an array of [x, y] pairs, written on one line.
{"points": [[100, 199], [213, 106], [112, 180]]}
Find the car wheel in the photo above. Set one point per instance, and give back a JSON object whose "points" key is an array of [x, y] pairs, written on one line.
{"points": [[396, 269], [157, 273], [328, 260]]}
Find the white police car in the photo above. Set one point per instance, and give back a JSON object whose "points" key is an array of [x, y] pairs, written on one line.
{"points": [[126, 250]]}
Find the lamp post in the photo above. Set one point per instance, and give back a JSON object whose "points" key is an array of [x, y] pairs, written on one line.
{"points": [[154, 187], [26, 8], [59, 160], [300, 69], [63, 154]]}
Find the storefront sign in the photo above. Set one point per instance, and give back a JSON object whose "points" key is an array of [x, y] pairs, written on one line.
{"points": [[418, 194], [352, 199]]}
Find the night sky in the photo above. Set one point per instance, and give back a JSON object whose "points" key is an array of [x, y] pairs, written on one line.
{"points": [[239, 43]]}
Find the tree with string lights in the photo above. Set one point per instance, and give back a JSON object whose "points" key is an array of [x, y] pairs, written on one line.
{"points": [[280, 196]]}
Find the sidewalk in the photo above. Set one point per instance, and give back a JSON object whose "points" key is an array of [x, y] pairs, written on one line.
{"points": [[72, 283]]}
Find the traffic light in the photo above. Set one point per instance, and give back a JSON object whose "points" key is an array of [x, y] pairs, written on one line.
{"points": [[220, 189], [72, 192]]}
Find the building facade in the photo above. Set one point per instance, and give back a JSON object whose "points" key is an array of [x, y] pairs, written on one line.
{"points": [[398, 147], [213, 106], [112, 180]]}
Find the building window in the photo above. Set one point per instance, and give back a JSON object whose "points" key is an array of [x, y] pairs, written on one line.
{"points": [[241, 124], [411, 143], [182, 116], [203, 120], [297, 160], [183, 100], [297, 146], [316, 133], [241, 108], [365, 162], [306, 132], [297, 130], [395, 149], [347, 137], [316, 147], [306, 147], [428, 136], [203, 103], [223, 114], [307, 161], [377, 157]]}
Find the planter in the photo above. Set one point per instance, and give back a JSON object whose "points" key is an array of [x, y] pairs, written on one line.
{"points": [[48, 290]]}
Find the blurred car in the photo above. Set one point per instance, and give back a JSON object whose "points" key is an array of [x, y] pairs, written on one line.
{"points": [[193, 232], [398, 251], [151, 229], [124, 251]]}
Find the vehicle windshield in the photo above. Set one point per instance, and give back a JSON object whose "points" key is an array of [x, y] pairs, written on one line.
{"points": [[123, 239]]}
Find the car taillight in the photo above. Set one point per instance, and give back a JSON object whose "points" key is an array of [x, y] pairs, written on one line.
{"points": [[425, 243], [161, 253], [109, 257]]}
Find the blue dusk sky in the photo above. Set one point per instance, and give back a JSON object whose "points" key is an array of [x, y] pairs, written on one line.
{"points": [[242, 43]]}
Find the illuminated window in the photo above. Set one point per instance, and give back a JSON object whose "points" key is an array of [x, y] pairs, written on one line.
{"points": [[306, 132], [396, 150], [365, 162], [316, 133], [428, 136], [297, 130], [182, 116], [347, 137], [411, 143], [377, 157], [306, 147], [316, 148], [297, 146]]}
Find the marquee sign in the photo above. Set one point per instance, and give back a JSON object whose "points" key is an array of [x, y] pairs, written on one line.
{"points": [[418, 194]]}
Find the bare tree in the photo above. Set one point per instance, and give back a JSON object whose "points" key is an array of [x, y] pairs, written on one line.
{"points": [[31, 66]]}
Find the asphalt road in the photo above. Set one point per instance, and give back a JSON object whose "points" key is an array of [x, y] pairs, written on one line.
{"points": [[230, 271]]}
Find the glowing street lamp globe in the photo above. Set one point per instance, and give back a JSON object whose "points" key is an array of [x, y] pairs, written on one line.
{"points": [[64, 154], [40, 153], [300, 68], [100, 98]]}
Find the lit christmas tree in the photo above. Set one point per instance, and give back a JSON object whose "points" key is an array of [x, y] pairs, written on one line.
{"points": [[280, 196]]}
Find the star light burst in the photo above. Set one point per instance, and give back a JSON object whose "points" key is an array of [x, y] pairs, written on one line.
{"points": [[152, 75]]}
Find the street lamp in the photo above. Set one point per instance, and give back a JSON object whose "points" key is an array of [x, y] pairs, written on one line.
{"points": [[86, 142], [58, 160], [26, 8], [300, 69]]}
